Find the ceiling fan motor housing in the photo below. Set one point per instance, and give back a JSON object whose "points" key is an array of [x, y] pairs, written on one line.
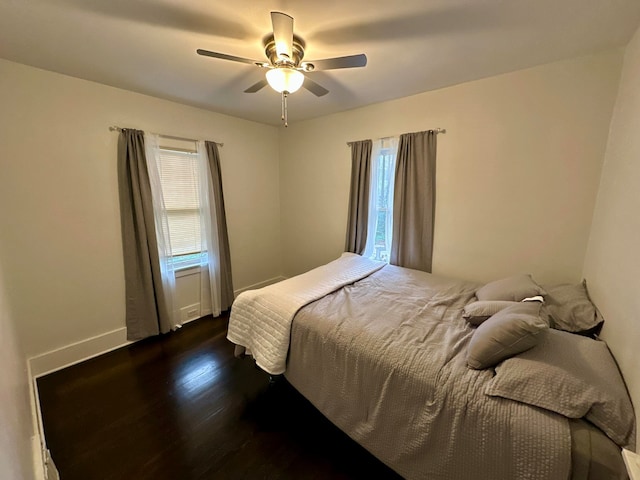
{"points": [[297, 50]]}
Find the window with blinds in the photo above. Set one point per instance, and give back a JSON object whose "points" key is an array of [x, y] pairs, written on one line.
{"points": [[179, 180]]}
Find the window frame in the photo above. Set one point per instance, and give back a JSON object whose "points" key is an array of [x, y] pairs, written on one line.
{"points": [[183, 261]]}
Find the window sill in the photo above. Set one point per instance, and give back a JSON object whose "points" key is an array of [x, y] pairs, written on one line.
{"points": [[185, 271]]}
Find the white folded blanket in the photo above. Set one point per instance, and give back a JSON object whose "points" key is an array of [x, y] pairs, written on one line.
{"points": [[261, 319]]}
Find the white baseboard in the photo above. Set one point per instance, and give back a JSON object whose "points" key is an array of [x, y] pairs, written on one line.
{"points": [[77, 352], [68, 355]]}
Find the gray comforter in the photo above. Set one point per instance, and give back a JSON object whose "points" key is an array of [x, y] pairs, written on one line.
{"points": [[384, 359]]}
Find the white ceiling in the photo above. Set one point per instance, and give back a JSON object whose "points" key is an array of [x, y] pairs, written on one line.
{"points": [[148, 46]]}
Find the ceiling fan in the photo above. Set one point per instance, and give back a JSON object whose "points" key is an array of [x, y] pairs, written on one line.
{"points": [[285, 68]]}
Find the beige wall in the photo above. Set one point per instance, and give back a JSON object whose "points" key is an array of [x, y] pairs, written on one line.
{"points": [[60, 243], [15, 412], [517, 175], [612, 263]]}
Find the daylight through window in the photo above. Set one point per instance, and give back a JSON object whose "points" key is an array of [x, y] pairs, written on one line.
{"points": [[380, 225], [179, 180]]}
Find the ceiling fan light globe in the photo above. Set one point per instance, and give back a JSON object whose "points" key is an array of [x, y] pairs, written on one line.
{"points": [[285, 79]]}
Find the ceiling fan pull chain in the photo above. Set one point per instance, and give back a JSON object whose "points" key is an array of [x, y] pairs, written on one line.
{"points": [[285, 114], [282, 107]]}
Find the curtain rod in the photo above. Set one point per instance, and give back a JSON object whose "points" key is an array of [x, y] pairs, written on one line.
{"points": [[115, 128], [435, 130]]}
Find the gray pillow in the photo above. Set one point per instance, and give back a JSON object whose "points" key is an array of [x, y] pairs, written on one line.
{"points": [[571, 309], [571, 375], [507, 333], [477, 312], [512, 289]]}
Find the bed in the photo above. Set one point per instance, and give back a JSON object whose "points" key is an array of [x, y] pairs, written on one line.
{"points": [[382, 352]]}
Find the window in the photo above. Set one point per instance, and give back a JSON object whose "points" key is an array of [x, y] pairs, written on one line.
{"points": [[180, 189], [380, 225], [189, 233]]}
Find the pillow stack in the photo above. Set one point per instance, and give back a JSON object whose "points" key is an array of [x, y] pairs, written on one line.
{"points": [[509, 322], [506, 325]]}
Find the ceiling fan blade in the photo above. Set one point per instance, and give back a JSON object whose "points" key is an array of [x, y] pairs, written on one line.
{"points": [[350, 61], [224, 56], [256, 86], [313, 87], [283, 34]]}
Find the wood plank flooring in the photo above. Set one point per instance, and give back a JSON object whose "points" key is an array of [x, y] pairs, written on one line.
{"points": [[181, 407]]}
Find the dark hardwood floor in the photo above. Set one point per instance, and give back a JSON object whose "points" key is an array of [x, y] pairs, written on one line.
{"points": [[180, 406]]}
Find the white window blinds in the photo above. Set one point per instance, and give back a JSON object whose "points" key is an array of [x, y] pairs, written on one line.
{"points": [[179, 179]]}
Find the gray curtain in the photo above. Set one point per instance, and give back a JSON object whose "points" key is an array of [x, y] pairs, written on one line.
{"points": [[359, 196], [146, 312], [414, 201], [226, 287]]}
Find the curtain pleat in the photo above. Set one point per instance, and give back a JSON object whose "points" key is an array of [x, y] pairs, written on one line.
{"points": [[359, 196], [414, 201], [220, 219], [146, 312]]}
